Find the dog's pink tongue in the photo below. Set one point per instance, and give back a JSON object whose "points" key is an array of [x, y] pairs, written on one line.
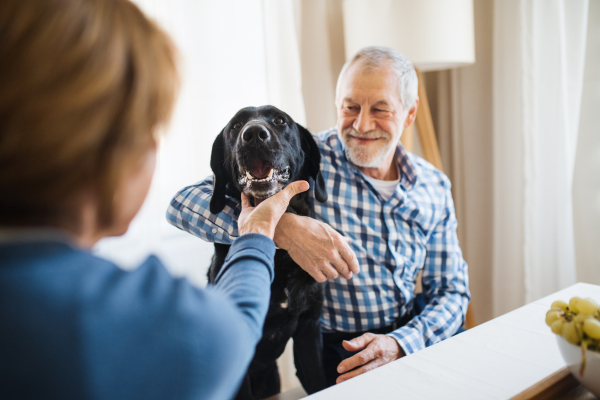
{"points": [[261, 169]]}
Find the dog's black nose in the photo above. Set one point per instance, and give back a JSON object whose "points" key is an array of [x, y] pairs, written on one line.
{"points": [[256, 133]]}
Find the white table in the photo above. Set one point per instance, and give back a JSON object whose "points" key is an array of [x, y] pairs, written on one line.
{"points": [[499, 359]]}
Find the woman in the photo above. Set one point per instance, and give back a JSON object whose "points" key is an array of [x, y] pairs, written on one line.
{"points": [[85, 86]]}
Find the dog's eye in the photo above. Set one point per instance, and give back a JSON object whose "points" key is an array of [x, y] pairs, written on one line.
{"points": [[237, 126], [279, 121]]}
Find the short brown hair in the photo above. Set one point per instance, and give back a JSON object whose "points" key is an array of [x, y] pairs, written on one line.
{"points": [[84, 85]]}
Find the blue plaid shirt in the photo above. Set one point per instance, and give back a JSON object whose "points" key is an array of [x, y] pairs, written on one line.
{"points": [[415, 229]]}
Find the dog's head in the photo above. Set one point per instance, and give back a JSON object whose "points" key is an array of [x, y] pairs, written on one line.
{"points": [[259, 152]]}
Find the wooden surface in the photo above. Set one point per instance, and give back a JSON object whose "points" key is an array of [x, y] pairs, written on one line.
{"points": [[548, 386], [559, 386]]}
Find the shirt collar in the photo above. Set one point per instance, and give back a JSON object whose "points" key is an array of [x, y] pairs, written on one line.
{"points": [[408, 174]]}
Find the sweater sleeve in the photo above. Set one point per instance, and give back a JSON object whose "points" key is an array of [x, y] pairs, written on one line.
{"points": [[151, 336]]}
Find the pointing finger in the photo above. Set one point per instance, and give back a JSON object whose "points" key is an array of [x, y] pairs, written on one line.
{"points": [[294, 188], [282, 199]]}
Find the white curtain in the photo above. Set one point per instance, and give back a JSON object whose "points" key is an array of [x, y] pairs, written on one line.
{"points": [[539, 58]]}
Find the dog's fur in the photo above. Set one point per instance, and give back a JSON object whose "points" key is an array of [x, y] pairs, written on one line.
{"points": [[258, 140]]}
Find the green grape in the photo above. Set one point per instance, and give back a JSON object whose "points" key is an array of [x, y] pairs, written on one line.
{"points": [[587, 306], [560, 304], [552, 316], [569, 332], [557, 326], [591, 327], [573, 304], [579, 318]]}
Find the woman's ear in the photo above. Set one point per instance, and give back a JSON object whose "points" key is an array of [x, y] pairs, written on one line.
{"points": [[312, 163], [217, 164]]}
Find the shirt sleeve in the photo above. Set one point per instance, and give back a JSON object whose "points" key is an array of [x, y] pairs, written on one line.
{"points": [[189, 210], [445, 286]]}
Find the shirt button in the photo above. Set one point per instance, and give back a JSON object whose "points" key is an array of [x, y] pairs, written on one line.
{"points": [[214, 230]]}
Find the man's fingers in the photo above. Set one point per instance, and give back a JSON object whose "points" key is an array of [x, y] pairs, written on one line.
{"points": [[321, 277], [342, 268], [358, 343], [356, 360], [350, 258], [329, 271]]}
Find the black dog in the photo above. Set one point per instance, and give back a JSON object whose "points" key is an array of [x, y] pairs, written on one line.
{"points": [[259, 152]]}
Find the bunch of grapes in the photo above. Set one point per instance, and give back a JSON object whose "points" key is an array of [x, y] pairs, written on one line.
{"points": [[578, 323]]}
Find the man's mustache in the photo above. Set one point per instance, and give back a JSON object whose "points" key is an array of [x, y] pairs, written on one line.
{"points": [[375, 134]]}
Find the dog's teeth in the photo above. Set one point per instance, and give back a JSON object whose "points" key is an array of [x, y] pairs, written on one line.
{"points": [[248, 175], [270, 173]]}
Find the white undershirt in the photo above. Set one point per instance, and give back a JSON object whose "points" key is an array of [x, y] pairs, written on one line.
{"points": [[385, 188]]}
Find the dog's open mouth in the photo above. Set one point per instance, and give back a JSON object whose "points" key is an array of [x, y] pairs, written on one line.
{"points": [[263, 172]]}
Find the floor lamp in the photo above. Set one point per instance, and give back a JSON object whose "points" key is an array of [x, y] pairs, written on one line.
{"points": [[433, 34]]}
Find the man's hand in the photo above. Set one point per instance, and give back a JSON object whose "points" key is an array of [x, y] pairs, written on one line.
{"points": [[377, 350], [316, 247], [264, 217]]}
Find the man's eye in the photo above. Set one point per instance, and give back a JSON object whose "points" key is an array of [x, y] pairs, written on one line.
{"points": [[279, 121], [237, 126]]}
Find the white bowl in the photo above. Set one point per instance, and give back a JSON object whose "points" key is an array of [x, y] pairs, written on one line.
{"points": [[572, 356]]}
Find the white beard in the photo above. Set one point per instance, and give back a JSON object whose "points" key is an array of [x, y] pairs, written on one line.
{"points": [[368, 156]]}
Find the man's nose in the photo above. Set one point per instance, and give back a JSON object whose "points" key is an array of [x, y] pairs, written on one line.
{"points": [[364, 122]]}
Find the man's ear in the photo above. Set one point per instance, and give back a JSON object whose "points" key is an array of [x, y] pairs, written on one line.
{"points": [[412, 114], [217, 163], [312, 162]]}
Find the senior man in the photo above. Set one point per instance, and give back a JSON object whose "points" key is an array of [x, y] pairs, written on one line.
{"points": [[388, 211]]}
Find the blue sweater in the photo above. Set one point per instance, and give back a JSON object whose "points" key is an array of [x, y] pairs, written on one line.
{"points": [[74, 326]]}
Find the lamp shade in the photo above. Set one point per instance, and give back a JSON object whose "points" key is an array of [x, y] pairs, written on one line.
{"points": [[432, 34]]}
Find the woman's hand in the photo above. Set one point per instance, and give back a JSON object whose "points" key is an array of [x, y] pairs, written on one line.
{"points": [[264, 217]]}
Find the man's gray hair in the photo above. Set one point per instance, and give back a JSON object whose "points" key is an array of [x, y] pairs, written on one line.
{"points": [[377, 57]]}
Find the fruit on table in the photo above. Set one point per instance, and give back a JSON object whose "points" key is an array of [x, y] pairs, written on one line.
{"points": [[578, 322], [591, 327]]}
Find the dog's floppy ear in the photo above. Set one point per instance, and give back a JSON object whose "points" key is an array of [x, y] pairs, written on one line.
{"points": [[312, 162], [217, 163]]}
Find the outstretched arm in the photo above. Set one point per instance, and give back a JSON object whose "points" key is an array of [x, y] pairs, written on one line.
{"points": [[313, 245]]}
